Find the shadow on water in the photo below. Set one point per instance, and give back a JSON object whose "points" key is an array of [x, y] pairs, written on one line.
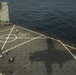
{"points": [[51, 56]]}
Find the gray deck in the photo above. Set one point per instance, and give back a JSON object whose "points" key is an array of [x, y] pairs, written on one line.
{"points": [[34, 54]]}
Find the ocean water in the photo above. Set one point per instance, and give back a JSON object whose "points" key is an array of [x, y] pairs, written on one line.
{"points": [[52, 17]]}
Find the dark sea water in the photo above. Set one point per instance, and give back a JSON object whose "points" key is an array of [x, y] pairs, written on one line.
{"points": [[53, 17]]}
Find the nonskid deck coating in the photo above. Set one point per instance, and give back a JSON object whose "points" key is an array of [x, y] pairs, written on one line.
{"points": [[35, 54]]}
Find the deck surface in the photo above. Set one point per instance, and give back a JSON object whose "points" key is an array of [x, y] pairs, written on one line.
{"points": [[34, 54]]}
